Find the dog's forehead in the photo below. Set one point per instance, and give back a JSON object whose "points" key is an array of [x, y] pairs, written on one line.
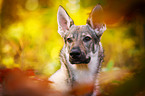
{"points": [[80, 30]]}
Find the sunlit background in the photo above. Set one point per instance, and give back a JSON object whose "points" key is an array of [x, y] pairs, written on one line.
{"points": [[29, 38]]}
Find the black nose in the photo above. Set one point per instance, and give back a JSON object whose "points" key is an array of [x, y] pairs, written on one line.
{"points": [[75, 53]]}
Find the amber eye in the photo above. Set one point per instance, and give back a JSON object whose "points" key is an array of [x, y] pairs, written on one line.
{"points": [[86, 39], [69, 40]]}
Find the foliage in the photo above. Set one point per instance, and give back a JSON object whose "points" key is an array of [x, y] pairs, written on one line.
{"points": [[29, 38]]}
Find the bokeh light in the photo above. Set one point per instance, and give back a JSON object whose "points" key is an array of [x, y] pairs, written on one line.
{"points": [[29, 37]]}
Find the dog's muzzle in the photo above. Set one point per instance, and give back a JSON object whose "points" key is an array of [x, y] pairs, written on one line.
{"points": [[78, 57]]}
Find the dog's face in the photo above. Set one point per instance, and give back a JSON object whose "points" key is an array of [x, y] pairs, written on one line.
{"points": [[82, 40]]}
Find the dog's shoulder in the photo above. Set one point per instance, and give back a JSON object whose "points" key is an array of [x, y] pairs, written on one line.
{"points": [[59, 81]]}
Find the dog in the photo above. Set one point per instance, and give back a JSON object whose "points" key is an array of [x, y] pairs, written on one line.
{"points": [[82, 53]]}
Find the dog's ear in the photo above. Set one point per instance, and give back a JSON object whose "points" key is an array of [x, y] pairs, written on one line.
{"points": [[63, 20], [96, 21]]}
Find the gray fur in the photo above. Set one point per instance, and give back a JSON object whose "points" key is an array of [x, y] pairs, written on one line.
{"points": [[69, 75]]}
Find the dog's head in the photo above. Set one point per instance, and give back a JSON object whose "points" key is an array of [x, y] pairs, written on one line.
{"points": [[82, 40]]}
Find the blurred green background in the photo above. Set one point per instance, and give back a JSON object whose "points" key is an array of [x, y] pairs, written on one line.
{"points": [[29, 38]]}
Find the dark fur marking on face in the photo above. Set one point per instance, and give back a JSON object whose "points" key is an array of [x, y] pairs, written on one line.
{"points": [[77, 35], [94, 35]]}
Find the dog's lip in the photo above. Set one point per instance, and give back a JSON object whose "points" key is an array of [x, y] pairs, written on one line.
{"points": [[76, 59], [80, 61]]}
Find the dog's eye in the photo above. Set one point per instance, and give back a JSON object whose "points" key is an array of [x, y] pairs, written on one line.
{"points": [[86, 39], [69, 40]]}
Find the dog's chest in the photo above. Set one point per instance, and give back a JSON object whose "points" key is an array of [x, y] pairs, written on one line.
{"points": [[83, 76]]}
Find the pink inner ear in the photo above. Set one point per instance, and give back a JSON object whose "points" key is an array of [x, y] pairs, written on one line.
{"points": [[97, 25], [96, 17], [63, 23]]}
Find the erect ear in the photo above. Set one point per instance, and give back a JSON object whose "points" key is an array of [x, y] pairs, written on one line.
{"points": [[63, 20], [96, 21]]}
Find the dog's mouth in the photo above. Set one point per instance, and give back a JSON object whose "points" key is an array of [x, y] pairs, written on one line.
{"points": [[80, 60], [76, 56]]}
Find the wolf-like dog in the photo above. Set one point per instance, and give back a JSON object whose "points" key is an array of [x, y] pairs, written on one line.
{"points": [[82, 53]]}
